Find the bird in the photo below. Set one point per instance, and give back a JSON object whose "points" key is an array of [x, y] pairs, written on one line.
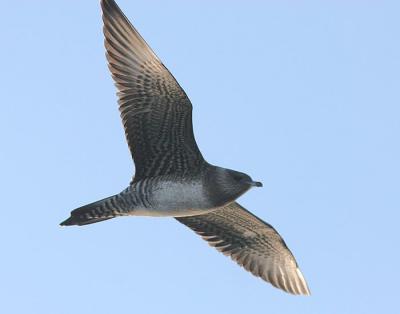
{"points": [[172, 179]]}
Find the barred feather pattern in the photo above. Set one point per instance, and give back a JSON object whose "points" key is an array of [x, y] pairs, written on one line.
{"points": [[155, 110], [252, 243]]}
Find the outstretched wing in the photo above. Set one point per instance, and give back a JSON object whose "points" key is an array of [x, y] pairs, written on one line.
{"points": [[156, 113], [252, 243]]}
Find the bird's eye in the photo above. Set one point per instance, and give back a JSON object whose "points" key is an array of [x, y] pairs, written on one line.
{"points": [[237, 177]]}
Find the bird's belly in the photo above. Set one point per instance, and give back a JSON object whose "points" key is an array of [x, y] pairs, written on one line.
{"points": [[176, 199]]}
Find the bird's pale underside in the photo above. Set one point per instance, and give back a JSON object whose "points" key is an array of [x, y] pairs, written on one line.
{"points": [[172, 178]]}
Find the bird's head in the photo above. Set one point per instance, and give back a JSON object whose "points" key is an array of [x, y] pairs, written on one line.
{"points": [[242, 179], [227, 185]]}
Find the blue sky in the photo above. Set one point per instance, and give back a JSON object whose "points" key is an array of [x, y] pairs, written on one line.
{"points": [[302, 95]]}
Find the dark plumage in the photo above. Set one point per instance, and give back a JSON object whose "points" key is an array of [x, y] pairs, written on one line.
{"points": [[156, 113], [172, 178]]}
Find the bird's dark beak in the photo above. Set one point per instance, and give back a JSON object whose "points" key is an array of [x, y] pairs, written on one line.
{"points": [[255, 183]]}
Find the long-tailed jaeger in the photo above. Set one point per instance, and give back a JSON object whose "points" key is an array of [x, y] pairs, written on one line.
{"points": [[172, 178]]}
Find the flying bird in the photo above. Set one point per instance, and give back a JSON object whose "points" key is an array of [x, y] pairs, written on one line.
{"points": [[172, 179]]}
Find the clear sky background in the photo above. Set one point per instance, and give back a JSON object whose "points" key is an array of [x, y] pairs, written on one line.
{"points": [[302, 95]]}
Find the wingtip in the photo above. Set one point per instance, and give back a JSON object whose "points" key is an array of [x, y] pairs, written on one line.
{"points": [[305, 289], [110, 6]]}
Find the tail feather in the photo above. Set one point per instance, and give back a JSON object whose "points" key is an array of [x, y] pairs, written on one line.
{"points": [[93, 212], [72, 221]]}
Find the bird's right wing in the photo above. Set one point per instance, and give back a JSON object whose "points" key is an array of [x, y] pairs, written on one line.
{"points": [[252, 243], [155, 111]]}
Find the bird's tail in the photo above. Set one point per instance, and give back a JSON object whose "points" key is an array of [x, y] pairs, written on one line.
{"points": [[104, 209]]}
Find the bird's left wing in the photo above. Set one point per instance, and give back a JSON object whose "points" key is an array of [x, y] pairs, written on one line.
{"points": [[155, 111], [252, 243]]}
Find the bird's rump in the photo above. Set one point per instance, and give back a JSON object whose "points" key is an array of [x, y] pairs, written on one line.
{"points": [[252, 243], [156, 112]]}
